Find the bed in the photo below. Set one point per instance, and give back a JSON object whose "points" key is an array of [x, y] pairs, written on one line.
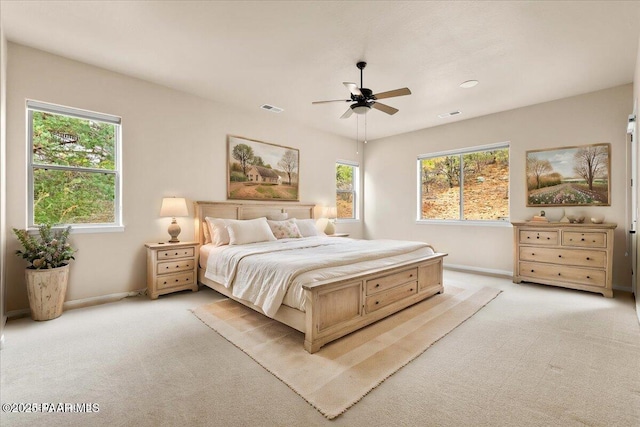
{"points": [[333, 285]]}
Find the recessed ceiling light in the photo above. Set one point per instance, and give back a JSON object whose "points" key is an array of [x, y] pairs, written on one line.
{"points": [[468, 84]]}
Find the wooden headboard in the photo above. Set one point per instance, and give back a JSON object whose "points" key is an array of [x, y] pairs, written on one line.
{"points": [[247, 210]]}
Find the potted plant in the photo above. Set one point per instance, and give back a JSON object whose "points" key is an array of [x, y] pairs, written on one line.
{"points": [[47, 274]]}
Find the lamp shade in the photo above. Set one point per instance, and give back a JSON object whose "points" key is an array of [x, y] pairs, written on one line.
{"points": [[173, 207], [330, 212]]}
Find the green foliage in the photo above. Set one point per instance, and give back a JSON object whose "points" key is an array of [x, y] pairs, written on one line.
{"points": [[237, 177], [244, 154], [344, 177], [66, 195], [49, 250]]}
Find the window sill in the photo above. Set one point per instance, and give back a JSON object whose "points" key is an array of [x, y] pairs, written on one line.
{"points": [[87, 228], [463, 223], [347, 220]]}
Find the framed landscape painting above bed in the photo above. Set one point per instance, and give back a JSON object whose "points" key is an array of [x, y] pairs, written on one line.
{"points": [[259, 170], [569, 176]]}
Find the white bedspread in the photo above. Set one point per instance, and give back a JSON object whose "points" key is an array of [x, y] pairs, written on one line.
{"points": [[262, 273]]}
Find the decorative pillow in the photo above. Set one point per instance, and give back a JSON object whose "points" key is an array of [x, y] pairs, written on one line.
{"points": [[249, 231], [307, 227], [280, 216], [218, 230], [284, 229]]}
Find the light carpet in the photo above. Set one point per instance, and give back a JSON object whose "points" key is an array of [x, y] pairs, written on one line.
{"points": [[344, 371]]}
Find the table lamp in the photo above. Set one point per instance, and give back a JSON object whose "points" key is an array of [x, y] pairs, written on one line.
{"points": [[173, 207]]}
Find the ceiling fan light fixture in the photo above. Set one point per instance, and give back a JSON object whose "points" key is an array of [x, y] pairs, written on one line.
{"points": [[468, 84], [360, 108]]}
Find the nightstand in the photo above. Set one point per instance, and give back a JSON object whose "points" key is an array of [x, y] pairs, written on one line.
{"points": [[171, 267], [338, 235]]}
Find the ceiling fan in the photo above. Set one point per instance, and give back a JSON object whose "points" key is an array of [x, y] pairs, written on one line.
{"points": [[364, 99]]}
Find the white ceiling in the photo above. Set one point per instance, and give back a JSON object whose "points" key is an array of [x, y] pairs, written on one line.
{"points": [[288, 53]]}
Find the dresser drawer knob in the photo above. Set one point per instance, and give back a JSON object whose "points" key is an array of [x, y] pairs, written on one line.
{"points": [[532, 271], [559, 256], [377, 285], [377, 302], [411, 290], [588, 277], [582, 240], [176, 280], [588, 258], [176, 253], [411, 275], [558, 274]]}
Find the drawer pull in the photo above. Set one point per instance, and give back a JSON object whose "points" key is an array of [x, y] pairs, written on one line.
{"points": [[177, 266], [532, 271], [588, 277], [559, 256], [377, 285], [538, 237], [558, 274], [588, 258], [377, 302], [411, 290], [167, 267], [165, 282], [177, 280], [582, 240], [176, 253], [411, 275]]}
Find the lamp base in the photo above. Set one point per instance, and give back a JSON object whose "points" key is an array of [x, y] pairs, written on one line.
{"points": [[174, 231], [330, 228]]}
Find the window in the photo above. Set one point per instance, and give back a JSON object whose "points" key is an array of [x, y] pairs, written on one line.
{"points": [[347, 190], [74, 167], [467, 185]]}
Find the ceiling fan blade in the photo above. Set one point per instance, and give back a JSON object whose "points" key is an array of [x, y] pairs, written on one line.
{"points": [[392, 93], [353, 88], [347, 113], [333, 100], [384, 108]]}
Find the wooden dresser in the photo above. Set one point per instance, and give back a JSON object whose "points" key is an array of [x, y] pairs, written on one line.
{"points": [[576, 256]]}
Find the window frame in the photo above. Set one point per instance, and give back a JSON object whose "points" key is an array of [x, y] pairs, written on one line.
{"points": [[461, 221], [355, 191], [32, 165]]}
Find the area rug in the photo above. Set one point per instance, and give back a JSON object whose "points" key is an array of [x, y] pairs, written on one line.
{"points": [[344, 371]]}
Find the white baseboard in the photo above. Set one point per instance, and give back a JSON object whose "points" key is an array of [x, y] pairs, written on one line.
{"points": [[85, 302], [479, 270]]}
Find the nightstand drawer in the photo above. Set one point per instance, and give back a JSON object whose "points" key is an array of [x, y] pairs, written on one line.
{"points": [[588, 240], [173, 280], [383, 283], [167, 267], [176, 253], [531, 237]]}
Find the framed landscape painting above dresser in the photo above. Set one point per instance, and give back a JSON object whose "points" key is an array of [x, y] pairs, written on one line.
{"points": [[569, 176], [576, 256]]}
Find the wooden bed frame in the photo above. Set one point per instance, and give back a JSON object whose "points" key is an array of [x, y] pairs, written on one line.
{"points": [[340, 306]]}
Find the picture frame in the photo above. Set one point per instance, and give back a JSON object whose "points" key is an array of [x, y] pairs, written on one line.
{"points": [[258, 170], [569, 176]]}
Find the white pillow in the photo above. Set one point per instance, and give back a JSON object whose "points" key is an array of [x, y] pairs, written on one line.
{"points": [[250, 231], [284, 229], [206, 232], [218, 230], [307, 227]]}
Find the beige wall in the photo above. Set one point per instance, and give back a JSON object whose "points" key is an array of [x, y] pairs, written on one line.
{"points": [[591, 118], [3, 180], [173, 144]]}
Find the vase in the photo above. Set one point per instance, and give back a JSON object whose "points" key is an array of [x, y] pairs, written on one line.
{"points": [[47, 289]]}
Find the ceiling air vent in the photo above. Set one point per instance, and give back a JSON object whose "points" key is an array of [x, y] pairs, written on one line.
{"points": [[271, 108], [445, 115]]}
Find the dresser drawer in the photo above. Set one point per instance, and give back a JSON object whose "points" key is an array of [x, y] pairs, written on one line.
{"points": [[176, 253], [167, 267], [533, 237], [380, 284], [561, 273], [174, 280], [571, 257], [593, 239], [383, 299]]}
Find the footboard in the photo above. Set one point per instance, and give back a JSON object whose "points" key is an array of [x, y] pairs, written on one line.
{"points": [[336, 309]]}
